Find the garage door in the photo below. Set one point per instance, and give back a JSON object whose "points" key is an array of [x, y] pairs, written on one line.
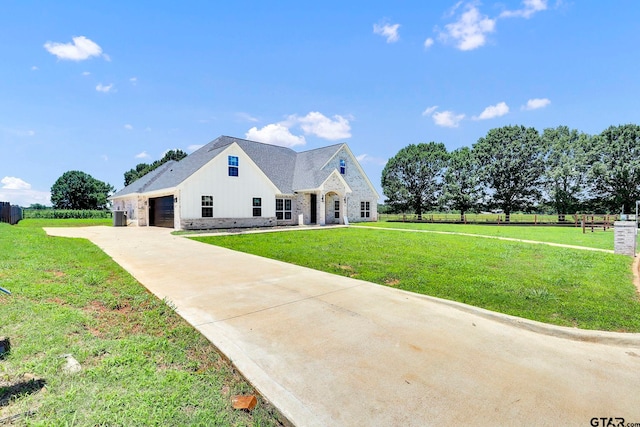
{"points": [[161, 211]]}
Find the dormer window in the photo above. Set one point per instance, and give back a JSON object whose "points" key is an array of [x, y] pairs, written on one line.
{"points": [[343, 166], [233, 165]]}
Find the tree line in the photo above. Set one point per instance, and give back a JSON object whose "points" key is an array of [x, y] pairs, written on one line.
{"points": [[515, 168], [80, 191]]}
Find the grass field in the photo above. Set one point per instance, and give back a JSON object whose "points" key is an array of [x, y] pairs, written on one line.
{"points": [[564, 235], [570, 287], [141, 363]]}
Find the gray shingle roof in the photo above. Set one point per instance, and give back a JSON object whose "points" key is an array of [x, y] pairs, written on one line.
{"points": [[308, 173], [142, 184], [287, 169]]}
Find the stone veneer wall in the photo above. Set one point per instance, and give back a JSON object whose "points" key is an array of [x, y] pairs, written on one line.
{"points": [[212, 223], [362, 192], [302, 206]]}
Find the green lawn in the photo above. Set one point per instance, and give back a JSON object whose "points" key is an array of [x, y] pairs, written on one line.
{"points": [[142, 363], [571, 287], [565, 235]]}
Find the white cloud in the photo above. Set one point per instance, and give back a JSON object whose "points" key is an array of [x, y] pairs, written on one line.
{"points": [[134, 80], [276, 134], [535, 103], [82, 48], [530, 8], [246, 117], [365, 158], [86, 73], [388, 31], [128, 127], [142, 155], [34, 68], [105, 157], [428, 43], [492, 111], [429, 110], [103, 88], [194, 147], [13, 183], [447, 119], [18, 192], [18, 132], [318, 124], [470, 30], [25, 197]]}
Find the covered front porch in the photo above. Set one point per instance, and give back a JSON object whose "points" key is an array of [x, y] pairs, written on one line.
{"points": [[326, 204]]}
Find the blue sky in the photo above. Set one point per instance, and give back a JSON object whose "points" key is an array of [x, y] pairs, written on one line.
{"points": [[102, 86]]}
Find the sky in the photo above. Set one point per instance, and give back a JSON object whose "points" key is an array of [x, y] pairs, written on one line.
{"points": [[102, 86]]}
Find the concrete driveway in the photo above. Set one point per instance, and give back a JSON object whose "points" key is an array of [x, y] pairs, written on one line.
{"points": [[333, 351]]}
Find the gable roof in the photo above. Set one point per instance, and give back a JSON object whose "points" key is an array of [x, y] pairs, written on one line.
{"points": [[288, 170], [308, 172], [142, 184]]}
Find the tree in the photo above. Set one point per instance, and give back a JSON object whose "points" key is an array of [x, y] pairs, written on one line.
{"points": [[511, 166], [566, 167], [412, 179], [462, 188], [78, 190], [142, 169], [615, 173]]}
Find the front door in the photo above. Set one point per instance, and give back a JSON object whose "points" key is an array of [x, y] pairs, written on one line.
{"points": [[314, 202]]}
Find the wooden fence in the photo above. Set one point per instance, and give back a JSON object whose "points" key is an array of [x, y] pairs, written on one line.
{"points": [[10, 214], [591, 221]]}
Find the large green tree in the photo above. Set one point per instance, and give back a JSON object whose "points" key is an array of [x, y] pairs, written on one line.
{"points": [[412, 179], [79, 190], [615, 171], [462, 187], [511, 166], [566, 167], [142, 169]]}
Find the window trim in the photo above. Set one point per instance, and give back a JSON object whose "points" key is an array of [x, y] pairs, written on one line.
{"points": [[257, 206], [284, 211], [234, 165], [365, 209], [206, 204]]}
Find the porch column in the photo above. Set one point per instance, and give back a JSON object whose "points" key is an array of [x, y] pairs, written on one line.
{"points": [[345, 219], [323, 213]]}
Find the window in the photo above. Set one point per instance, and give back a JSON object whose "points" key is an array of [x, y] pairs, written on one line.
{"points": [[283, 209], [207, 206], [233, 165], [343, 166], [257, 206], [365, 210], [336, 208]]}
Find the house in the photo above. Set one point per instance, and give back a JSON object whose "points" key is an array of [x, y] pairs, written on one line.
{"points": [[233, 182]]}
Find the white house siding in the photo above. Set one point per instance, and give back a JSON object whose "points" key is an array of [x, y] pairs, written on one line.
{"points": [[361, 190], [232, 195]]}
